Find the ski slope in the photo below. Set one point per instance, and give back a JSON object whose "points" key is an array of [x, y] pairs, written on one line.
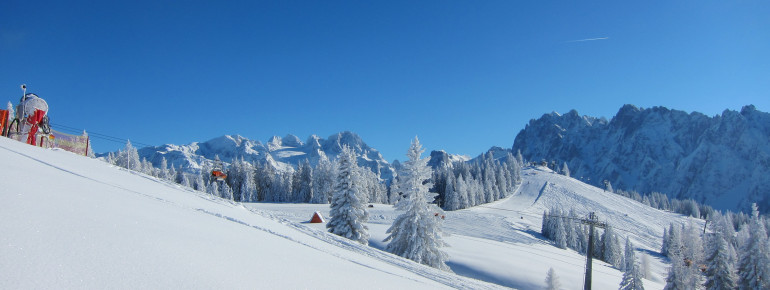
{"points": [[501, 243], [67, 221], [81, 223]]}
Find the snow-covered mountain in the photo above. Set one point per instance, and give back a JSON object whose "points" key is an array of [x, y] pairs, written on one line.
{"points": [[282, 153], [440, 158], [722, 161]]}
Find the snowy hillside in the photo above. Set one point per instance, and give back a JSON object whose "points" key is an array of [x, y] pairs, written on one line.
{"points": [[282, 153], [501, 242], [92, 225], [722, 161], [81, 223]]}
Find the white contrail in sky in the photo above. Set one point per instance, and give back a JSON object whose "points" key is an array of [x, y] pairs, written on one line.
{"points": [[588, 39]]}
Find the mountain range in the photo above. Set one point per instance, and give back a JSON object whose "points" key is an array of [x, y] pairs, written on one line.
{"points": [[722, 161], [282, 153]]}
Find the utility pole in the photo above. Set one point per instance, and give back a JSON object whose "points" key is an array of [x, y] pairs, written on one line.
{"points": [[592, 222]]}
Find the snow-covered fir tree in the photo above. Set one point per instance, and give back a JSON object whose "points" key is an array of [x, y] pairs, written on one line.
{"points": [[129, 158], [552, 281], [417, 233], [348, 210], [163, 170], [302, 183], [753, 267], [248, 191], [452, 201], [565, 170], [611, 248], [323, 180], [632, 276], [720, 273]]}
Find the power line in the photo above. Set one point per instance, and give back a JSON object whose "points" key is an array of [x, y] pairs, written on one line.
{"points": [[97, 135]]}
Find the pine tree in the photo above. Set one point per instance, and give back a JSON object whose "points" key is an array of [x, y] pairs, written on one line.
{"points": [[552, 281], [323, 181], [348, 211], [632, 277], [129, 158], [611, 248], [720, 273], [417, 233], [248, 187], [163, 169], [213, 189], [452, 198], [565, 170], [753, 266], [560, 234]]}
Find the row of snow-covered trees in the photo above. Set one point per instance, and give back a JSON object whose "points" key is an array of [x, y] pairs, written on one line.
{"points": [[257, 182], [260, 182], [722, 259], [485, 180]]}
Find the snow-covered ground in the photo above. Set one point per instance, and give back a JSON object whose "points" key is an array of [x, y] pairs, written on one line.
{"points": [[501, 243], [72, 222], [68, 221]]}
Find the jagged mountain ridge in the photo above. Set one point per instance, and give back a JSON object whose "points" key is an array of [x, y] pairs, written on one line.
{"points": [[282, 153], [722, 161]]}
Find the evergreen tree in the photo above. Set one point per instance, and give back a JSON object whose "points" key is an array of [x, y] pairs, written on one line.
{"points": [[129, 158], [632, 277], [416, 234], [348, 211], [213, 189], [461, 190], [248, 190], [560, 234], [720, 273], [163, 169], [185, 180], [552, 281], [303, 182], [323, 181], [611, 248], [753, 266], [226, 191], [565, 170], [452, 201]]}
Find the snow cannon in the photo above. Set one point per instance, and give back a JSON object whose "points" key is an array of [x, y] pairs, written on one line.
{"points": [[31, 116]]}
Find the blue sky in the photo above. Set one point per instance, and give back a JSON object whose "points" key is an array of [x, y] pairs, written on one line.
{"points": [[462, 75]]}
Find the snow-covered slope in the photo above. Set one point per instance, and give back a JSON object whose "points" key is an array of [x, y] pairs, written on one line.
{"points": [[67, 221], [722, 161], [501, 242], [282, 153]]}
